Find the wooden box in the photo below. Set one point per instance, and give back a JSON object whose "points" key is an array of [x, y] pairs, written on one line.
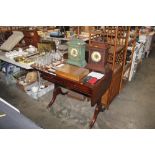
{"points": [[72, 72]]}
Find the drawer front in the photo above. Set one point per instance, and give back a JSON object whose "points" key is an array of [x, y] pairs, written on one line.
{"points": [[69, 84], [78, 87]]}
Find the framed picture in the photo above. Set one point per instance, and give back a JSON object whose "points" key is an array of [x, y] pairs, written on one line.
{"points": [[46, 46]]}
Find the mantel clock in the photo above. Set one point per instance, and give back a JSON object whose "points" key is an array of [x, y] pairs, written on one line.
{"points": [[76, 53], [98, 52]]}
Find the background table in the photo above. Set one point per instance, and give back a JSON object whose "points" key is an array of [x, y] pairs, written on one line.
{"points": [[11, 61]]}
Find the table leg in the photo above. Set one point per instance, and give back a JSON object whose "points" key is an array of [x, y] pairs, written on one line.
{"points": [[57, 90], [98, 109]]}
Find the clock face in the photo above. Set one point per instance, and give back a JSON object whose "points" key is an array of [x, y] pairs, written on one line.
{"points": [[96, 56], [74, 52]]}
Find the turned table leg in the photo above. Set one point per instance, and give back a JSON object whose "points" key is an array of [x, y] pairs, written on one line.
{"points": [[98, 109], [57, 90]]}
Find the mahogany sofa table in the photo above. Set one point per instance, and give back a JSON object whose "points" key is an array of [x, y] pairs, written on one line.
{"points": [[94, 92]]}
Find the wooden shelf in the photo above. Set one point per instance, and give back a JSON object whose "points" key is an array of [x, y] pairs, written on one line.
{"points": [[95, 32], [119, 49], [120, 74]]}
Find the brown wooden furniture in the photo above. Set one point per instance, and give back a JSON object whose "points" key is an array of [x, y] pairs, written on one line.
{"points": [[117, 38], [94, 92], [31, 37]]}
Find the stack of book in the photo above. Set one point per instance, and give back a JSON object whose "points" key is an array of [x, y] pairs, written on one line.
{"points": [[92, 77]]}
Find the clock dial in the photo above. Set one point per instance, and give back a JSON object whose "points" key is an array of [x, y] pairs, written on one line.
{"points": [[96, 56], [74, 52]]}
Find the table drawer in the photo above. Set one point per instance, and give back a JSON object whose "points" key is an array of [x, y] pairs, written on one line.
{"points": [[78, 87], [68, 84]]}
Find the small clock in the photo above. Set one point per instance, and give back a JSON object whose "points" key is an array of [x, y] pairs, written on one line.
{"points": [[98, 52], [76, 53], [96, 56]]}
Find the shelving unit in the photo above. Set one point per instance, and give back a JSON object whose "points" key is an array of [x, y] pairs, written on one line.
{"points": [[117, 38]]}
